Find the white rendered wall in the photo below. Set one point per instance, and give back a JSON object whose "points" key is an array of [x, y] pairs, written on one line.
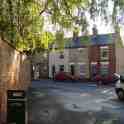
{"points": [[54, 59]]}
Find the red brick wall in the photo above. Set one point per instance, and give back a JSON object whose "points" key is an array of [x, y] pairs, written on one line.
{"points": [[112, 59], [94, 56], [14, 73], [94, 53]]}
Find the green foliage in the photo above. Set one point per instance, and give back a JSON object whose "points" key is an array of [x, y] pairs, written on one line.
{"points": [[60, 39], [75, 32], [47, 39], [100, 8], [20, 22], [62, 11]]}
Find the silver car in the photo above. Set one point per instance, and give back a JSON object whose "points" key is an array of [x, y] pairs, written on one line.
{"points": [[119, 87]]}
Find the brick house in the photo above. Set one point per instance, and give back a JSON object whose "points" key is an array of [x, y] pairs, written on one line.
{"points": [[86, 56], [102, 55]]}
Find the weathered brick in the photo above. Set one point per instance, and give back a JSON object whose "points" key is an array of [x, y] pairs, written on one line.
{"points": [[14, 73]]}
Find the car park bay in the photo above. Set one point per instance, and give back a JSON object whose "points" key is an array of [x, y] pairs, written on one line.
{"points": [[73, 103]]}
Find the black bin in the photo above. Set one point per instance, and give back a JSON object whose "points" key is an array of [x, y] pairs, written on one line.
{"points": [[16, 107]]}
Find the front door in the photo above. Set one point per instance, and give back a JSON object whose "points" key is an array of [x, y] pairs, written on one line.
{"points": [[72, 69], [53, 71]]}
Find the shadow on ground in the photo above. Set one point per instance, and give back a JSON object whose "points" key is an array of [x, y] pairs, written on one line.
{"points": [[45, 109]]}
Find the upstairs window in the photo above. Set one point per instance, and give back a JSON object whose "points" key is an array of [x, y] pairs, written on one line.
{"points": [[104, 53], [61, 68], [82, 67]]}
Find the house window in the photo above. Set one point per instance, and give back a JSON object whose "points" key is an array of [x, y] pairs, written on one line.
{"points": [[61, 55], [61, 68], [82, 69], [104, 52], [104, 69]]}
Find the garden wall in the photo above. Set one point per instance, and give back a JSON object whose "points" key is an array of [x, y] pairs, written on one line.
{"points": [[14, 74]]}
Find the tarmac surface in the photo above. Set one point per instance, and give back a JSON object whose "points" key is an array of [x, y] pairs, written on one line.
{"points": [[52, 102]]}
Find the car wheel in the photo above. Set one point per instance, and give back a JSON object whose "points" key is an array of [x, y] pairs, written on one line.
{"points": [[120, 94]]}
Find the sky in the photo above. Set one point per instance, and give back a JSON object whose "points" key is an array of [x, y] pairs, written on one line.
{"points": [[101, 26]]}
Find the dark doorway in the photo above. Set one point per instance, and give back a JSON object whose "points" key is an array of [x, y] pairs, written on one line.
{"points": [[53, 71], [61, 68], [72, 69], [94, 70]]}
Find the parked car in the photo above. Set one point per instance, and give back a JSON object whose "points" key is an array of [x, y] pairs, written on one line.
{"points": [[119, 87], [106, 79], [62, 76]]}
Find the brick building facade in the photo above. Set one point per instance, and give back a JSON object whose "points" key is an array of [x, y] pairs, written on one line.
{"points": [[102, 59]]}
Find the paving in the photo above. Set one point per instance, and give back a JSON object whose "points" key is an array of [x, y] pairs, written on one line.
{"points": [[51, 102]]}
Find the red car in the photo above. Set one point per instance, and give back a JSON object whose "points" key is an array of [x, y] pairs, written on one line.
{"points": [[105, 79], [66, 76], [63, 76]]}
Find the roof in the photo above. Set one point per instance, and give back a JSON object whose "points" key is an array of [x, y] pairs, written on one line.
{"points": [[100, 39], [77, 42], [103, 39]]}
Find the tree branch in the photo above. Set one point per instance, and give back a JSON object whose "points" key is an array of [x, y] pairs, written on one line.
{"points": [[45, 7]]}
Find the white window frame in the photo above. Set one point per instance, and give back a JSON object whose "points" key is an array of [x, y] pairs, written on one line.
{"points": [[60, 67], [71, 63], [102, 66], [79, 49], [102, 49]]}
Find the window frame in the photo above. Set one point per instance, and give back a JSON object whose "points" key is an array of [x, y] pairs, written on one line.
{"points": [[104, 66], [84, 69], [104, 50], [61, 56], [61, 68]]}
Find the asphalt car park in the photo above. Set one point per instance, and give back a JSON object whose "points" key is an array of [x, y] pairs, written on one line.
{"points": [[54, 102]]}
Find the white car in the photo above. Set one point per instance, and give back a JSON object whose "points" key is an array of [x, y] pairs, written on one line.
{"points": [[119, 87]]}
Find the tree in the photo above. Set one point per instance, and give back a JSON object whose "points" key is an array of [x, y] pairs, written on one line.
{"points": [[63, 12], [22, 21], [100, 8], [59, 39], [21, 24]]}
